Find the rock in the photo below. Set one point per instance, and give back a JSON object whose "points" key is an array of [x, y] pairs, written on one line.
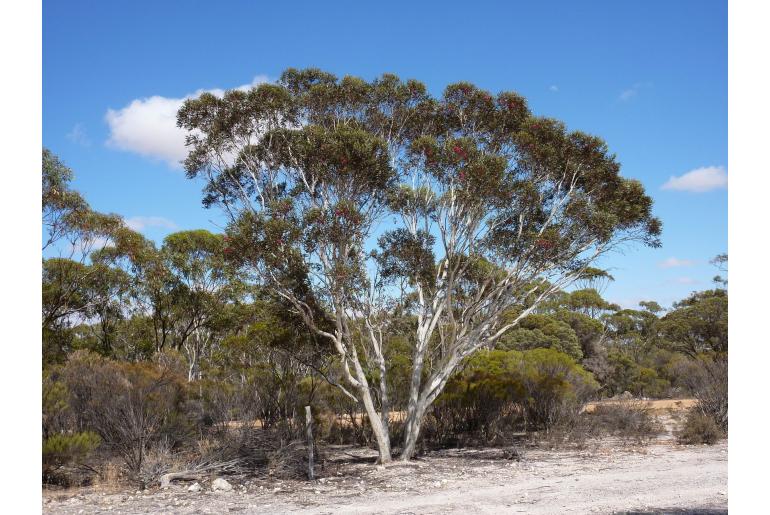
{"points": [[220, 484], [196, 487]]}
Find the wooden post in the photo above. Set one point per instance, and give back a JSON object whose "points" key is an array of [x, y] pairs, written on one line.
{"points": [[309, 423]]}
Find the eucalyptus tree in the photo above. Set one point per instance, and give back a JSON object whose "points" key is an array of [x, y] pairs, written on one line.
{"points": [[698, 324], [201, 286], [67, 217], [60, 204], [354, 200], [150, 298], [71, 232]]}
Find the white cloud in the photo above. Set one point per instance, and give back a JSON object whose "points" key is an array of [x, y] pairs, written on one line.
{"points": [[629, 93], [147, 126], [139, 223], [673, 262], [78, 135], [699, 180], [553, 88], [685, 280]]}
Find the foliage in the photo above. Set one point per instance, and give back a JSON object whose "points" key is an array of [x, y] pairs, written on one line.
{"points": [[699, 428], [698, 324], [542, 331], [537, 388], [61, 449]]}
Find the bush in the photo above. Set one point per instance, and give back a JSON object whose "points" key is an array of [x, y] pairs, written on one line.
{"points": [[497, 392], [555, 388], [627, 419], [706, 379], [64, 449], [699, 428], [129, 405]]}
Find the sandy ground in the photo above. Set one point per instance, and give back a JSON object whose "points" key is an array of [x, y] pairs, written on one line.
{"points": [[657, 406], [605, 477]]}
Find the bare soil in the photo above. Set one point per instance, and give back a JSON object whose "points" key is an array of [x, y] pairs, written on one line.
{"points": [[606, 476]]}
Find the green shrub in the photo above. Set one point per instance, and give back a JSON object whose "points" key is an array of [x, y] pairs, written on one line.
{"points": [[63, 449], [499, 391], [555, 387], [699, 428]]}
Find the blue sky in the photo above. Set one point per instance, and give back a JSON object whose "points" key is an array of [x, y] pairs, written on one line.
{"points": [[650, 77]]}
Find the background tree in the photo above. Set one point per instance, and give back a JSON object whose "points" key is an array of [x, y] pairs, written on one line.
{"points": [[698, 324], [201, 287]]}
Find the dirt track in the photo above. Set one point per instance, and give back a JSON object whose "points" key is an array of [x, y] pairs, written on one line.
{"points": [[607, 477]]}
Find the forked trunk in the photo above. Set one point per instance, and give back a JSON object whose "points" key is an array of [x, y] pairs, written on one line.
{"points": [[412, 428], [379, 428]]}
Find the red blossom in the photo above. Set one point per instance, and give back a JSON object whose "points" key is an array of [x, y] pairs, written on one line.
{"points": [[457, 149]]}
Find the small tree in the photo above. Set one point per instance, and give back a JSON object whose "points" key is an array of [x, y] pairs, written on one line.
{"points": [[489, 210]]}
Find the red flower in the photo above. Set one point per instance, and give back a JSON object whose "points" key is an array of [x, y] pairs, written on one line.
{"points": [[462, 175], [457, 149]]}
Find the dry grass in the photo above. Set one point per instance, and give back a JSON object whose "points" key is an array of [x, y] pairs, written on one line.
{"points": [[661, 405]]}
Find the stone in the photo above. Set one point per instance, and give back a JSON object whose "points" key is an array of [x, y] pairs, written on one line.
{"points": [[222, 485], [195, 487]]}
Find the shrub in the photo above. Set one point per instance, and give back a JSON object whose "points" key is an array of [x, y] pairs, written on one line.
{"points": [[56, 413], [626, 419], [129, 405], [706, 379], [64, 449], [699, 428], [555, 387], [498, 391]]}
